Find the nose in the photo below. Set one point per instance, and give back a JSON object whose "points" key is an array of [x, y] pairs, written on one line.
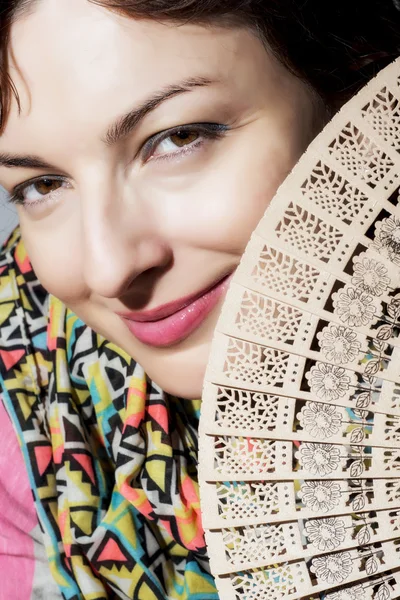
{"points": [[119, 242]]}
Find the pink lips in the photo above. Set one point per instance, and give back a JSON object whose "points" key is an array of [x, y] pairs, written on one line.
{"points": [[173, 322]]}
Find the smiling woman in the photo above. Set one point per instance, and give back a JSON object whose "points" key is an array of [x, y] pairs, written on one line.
{"points": [[141, 143], [137, 142]]}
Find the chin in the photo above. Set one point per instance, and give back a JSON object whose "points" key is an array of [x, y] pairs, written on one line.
{"points": [[187, 390], [181, 374], [180, 370], [187, 383]]}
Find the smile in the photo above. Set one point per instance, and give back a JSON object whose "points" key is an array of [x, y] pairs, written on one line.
{"points": [[175, 321]]}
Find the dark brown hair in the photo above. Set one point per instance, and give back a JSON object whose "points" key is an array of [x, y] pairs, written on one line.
{"points": [[334, 45]]}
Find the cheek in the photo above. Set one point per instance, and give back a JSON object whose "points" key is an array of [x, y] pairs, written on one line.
{"points": [[226, 206], [228, 228], [55, 257]]}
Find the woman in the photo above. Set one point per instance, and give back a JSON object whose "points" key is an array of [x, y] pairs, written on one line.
{"points": [[142, 141]]}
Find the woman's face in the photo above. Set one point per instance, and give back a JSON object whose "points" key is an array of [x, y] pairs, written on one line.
{"points": [[142, 159]]}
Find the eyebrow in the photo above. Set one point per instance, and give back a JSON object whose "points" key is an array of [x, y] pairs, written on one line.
{"points": [[120, 128], [125, 125], [25, 162]]}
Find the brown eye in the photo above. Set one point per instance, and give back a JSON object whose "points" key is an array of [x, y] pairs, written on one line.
{"points": [[184, 137], [45, 186], [181, 140]]}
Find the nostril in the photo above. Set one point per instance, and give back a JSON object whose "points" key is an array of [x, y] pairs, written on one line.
{"points": [[142, 288]]}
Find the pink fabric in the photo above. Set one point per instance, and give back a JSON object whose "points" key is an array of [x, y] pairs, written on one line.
{"points": [[17, 518]]}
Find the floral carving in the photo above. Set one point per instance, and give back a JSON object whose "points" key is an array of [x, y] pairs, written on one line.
{"points": [[387, 238], [325, 534], [320, 496], [351, 593], [370, 276], [359, 502], [333, 568], [339, 344], [354, 307], [328, 382], [394, 308], [320, 420], [319, 459], [383, 592]]}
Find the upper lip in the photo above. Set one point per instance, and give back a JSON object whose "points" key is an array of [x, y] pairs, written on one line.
{"points": [[166, 310]]}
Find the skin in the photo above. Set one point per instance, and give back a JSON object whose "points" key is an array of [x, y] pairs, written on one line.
{"points": [[127, 232]]}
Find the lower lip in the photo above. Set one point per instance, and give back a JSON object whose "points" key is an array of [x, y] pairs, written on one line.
{"points": [[180, 325]]}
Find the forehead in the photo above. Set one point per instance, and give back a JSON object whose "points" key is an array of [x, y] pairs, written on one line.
{"points": [[78, 66], [79, 50]]}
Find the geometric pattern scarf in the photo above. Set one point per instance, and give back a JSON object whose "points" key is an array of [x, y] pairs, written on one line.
{"points": [[112, 460]]}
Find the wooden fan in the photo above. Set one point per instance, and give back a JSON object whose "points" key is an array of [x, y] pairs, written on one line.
{"points": [[299, 461]]}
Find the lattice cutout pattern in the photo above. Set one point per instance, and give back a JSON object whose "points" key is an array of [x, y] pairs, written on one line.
{"points": [[305, 231], [323, 187], [261, 316], [286, 276], [250, 409], [383, 113], [255, 364], [360, 155]]}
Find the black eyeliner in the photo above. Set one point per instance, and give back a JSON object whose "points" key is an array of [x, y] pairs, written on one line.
{"points": [[211, 130], [14, 197]]}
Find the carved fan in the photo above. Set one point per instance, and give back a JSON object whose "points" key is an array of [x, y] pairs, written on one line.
{"points": [[300, 427]]}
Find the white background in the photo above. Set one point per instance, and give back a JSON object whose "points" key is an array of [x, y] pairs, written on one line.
{"points": [[8, 219]]}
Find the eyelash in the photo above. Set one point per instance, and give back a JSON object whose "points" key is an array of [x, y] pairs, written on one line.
{"points": [[210, 131]]}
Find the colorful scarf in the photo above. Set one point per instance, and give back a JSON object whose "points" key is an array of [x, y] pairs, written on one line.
{"points": [[111, 458]]}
